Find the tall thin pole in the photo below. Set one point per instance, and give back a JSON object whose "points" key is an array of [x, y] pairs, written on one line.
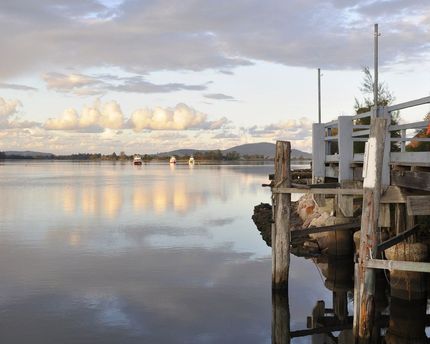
{"points": [[319, 95], [375, 63]]}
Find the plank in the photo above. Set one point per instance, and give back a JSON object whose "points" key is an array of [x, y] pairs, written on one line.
{"points": [[296, 185], [345, 203], [332, 158], [319, 330], [416, 102], [411, 179], [398, 238], [306, 231], [384, 216], [332, 171], [418, 205], [398, 265], [410, 158], [337, 191], [393, 195], [324, 185], [414, 125], [399, 218]]}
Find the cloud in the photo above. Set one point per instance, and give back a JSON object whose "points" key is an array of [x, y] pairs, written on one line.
{"points": [[181, 117], [219, 96], [292, 129], [8, 107], [92, 119], [141, 36], [8, 115], [226, 135], [299, 131], [85, 85], [17, 87], [138, 85], [66, 83], [109, 115]]}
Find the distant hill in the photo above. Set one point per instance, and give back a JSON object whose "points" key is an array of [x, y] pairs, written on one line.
{"points": [[29, 154], [262, 148], [266, 149], [181, 152]]}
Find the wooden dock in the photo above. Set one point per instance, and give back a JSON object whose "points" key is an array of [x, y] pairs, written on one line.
{"points": [[393, 185]]}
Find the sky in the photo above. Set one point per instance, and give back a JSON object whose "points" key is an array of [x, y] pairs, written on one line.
{"points": [[147, 76]]}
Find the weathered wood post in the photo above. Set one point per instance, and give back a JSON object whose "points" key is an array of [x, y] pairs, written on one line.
{"points": [[369, 237], [346, 153], [281, 226], [280, 318], [318, 153]]}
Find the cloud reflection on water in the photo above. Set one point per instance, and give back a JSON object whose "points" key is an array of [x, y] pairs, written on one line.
{"points": [[112, 254]]}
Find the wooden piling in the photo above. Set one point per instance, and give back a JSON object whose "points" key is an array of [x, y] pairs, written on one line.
{"points": [[280, 318], [370, 234], [281, 235]]}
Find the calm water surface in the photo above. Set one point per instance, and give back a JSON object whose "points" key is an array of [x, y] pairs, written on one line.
{"points": [[115, 253]]}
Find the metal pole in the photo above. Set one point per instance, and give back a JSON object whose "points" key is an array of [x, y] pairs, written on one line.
{"points": [[375, 63], [319, 95]]}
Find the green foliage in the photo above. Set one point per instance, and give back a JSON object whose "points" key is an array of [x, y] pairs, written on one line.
{"points": [[385, 98], [232, 156]]}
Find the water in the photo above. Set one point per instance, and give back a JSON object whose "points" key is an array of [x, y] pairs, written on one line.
{"points": [[115, 253]]}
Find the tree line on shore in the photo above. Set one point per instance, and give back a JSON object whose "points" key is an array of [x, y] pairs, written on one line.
{"points": [[213, 155]]}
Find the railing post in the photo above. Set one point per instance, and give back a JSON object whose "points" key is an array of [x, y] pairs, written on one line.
{"points": [[403, 143], [385, 180], [346, 153], [346, 149], [318, 153]]}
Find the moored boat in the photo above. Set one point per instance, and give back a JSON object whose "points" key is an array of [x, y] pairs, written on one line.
{"points": [[191, 161], [137, 160], [173, 160]]}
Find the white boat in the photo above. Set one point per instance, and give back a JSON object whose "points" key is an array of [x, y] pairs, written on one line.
{"points": [[137, 160], [172, 160], [191, 161]]}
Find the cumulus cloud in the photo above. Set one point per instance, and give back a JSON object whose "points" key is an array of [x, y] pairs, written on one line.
{"points": [[92, 118], [8, 107], [98, 117], [86, 85], [8, 115], [180, 117]]}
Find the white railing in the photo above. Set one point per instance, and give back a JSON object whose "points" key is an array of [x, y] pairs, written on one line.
{"points": [[345, 132]]}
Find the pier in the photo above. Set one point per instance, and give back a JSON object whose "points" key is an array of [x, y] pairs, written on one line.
{"points": [[383, 194]]}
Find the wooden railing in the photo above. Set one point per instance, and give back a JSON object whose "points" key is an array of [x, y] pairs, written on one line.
{"points": [[333, 143]]}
